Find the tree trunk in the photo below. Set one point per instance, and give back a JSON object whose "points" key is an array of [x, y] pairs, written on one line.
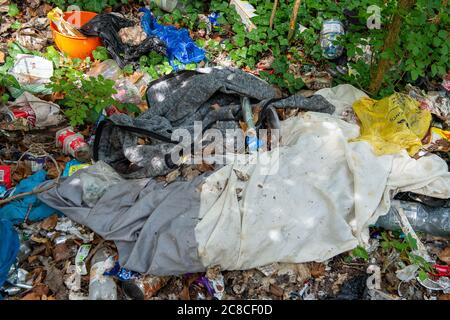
{"points": [[377, 75], [292, 25]]}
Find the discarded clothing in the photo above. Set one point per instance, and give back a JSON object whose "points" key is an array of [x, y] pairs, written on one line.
{"points": [[29, 206], [211, 96], [393, 123], [179, 44], [309, 200], [107, 27], [9, 247]]}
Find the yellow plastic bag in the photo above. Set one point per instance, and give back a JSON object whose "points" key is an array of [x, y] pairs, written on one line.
{"points": [[392, 124]]}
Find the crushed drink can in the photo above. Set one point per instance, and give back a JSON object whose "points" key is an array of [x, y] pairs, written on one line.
{"points": [[331, 30], [72, 143], [25, 112]]}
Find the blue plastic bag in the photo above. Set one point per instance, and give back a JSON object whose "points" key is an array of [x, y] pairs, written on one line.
{"points": [[179, 44], [17, 210], [9, 247]]}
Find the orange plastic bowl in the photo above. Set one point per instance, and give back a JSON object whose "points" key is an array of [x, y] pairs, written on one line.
{"points": [[72, 46]]}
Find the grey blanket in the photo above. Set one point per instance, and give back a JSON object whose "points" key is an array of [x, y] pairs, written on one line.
{"points": [[151, 225], [210, 95]]}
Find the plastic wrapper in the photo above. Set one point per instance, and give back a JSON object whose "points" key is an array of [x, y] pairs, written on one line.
{"points": [[68, 226], [33, 74], [108, 69], [28, 112], [127, 92], [73, 166], [57, 17], [96, 181], [81, 256], [121, 273], [179, 44], [35, 161], [393, 123], [5, 176]]}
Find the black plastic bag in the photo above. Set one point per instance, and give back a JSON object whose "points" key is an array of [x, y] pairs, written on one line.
{"points": [[107, 27]]}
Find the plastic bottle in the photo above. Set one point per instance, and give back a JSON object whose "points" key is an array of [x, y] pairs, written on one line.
{"points": [[102, 287], [251, 136], [433, 221], [166, 5], [331, 30]]}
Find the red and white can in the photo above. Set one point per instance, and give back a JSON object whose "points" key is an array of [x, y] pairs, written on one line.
{"points": [[25, 112], [71, 142]]}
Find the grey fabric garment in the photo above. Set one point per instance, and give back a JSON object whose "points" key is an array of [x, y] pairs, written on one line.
{"points": [[211, 96], [151, 225]]}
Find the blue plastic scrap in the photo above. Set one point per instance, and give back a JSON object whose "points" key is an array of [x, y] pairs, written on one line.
{"points": [[9, 247], [121, 273], [180, 45], [213, 19], [16, 211]]}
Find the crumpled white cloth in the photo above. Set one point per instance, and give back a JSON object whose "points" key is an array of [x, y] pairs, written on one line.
{"points": [[342, 97], [311, 199]]}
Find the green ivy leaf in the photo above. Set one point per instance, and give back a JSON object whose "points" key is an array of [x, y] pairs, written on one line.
{"points": [[360, 252], [13, 10], [100, 53]]}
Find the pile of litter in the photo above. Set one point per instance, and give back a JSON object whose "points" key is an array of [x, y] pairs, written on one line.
{"points": [[223, 187]]}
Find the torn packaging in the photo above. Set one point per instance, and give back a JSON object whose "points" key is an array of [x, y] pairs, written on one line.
{"points": [[177, 101], [340, 188]]}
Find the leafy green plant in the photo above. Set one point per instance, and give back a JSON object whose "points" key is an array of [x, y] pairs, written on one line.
{"points": [[247, 48], [155, 65], [406, 248], [85, 98]]}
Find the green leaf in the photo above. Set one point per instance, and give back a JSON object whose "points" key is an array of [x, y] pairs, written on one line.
{"points": [[16, 25], [128, 69], [100, 53], [423, 275], [411, 241], [360, 252], [53, 55], [13, 10], [443, 34], [414, 75]]}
